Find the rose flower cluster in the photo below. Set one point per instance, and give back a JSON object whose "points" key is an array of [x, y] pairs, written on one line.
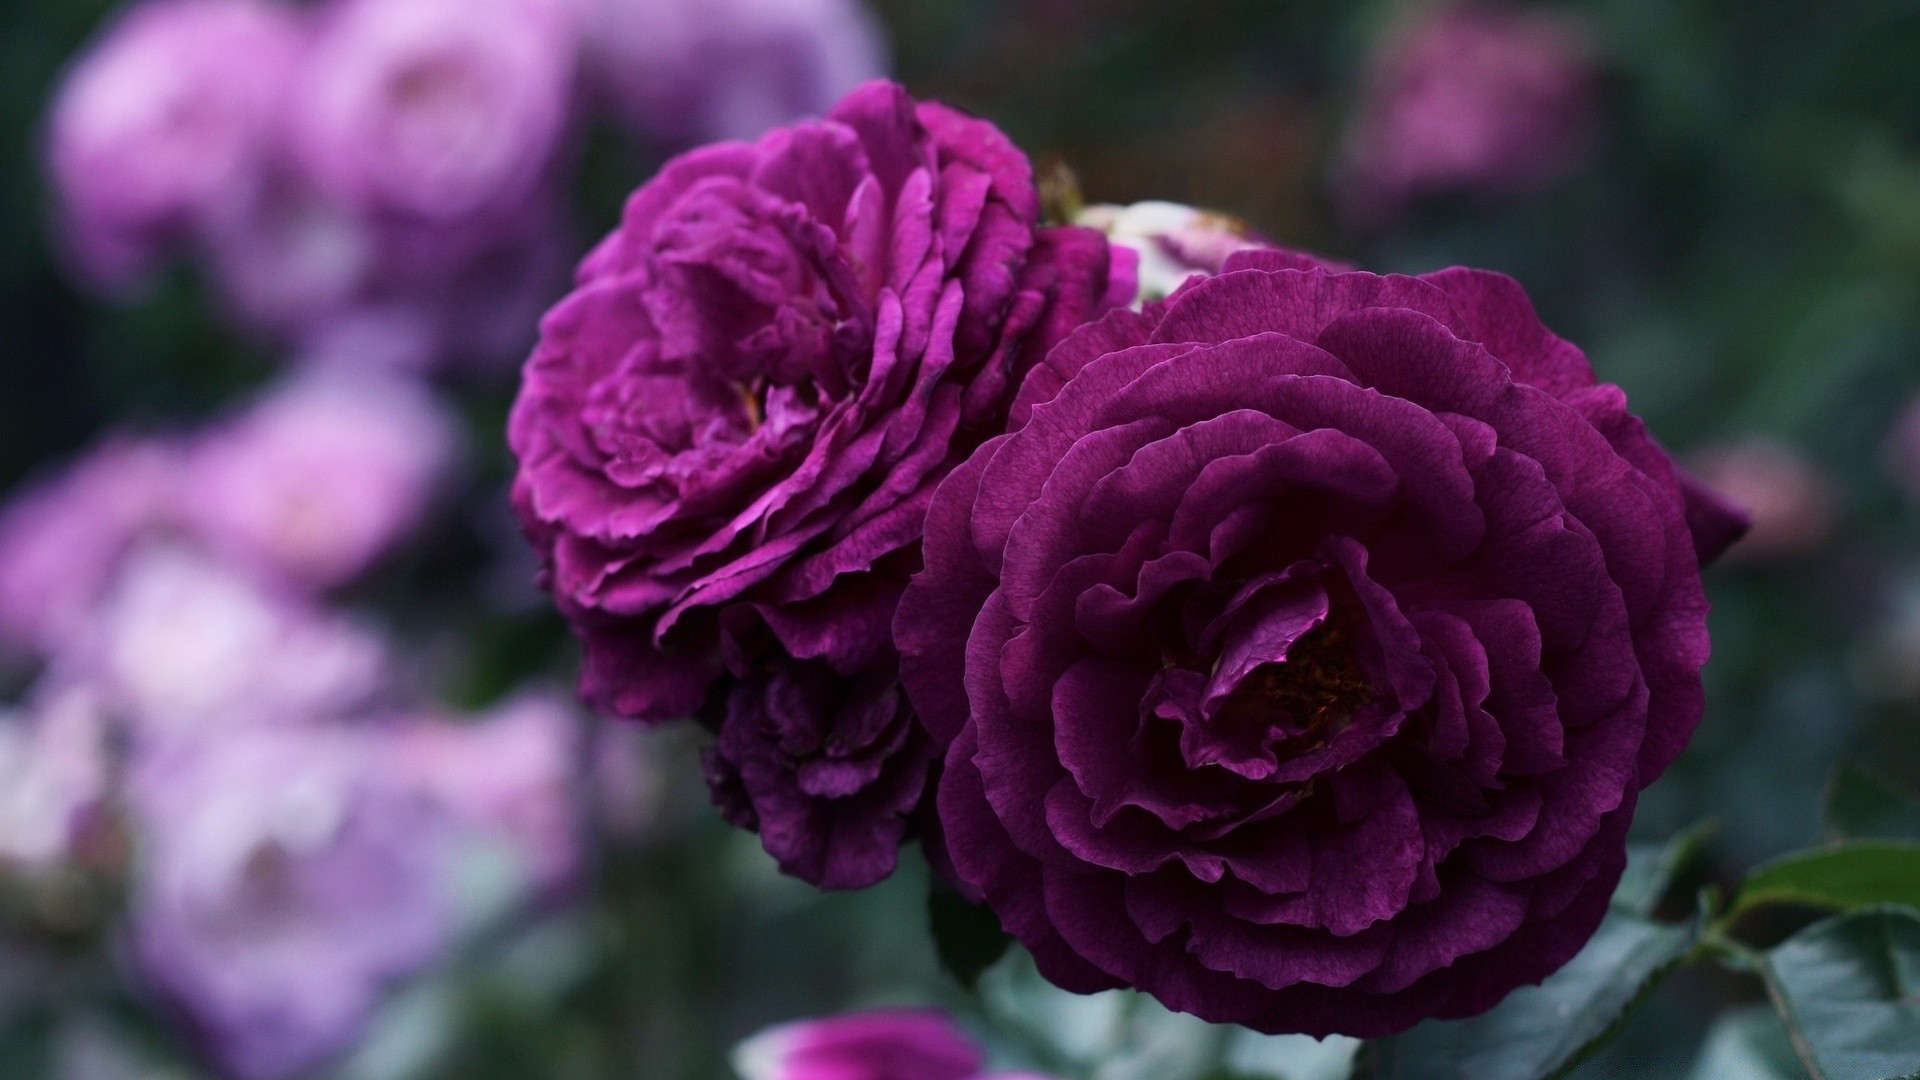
{"points": [[388, 178], [1292, 648]]}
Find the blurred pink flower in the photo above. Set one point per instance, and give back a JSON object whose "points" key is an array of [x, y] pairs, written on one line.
{"points": [[285, 881], [55, 772], [436, 110], [319, 478], [62, 540], [185, 647], [1787, 497], [289, 258], [690, 71], [883, 1044], [1901, 451], [169, 115], [1471, 97], [508, 779]]}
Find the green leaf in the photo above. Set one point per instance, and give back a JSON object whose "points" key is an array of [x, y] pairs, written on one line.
{"points": [[1546, 1030], [1843, 876], [1652, 868], [1748, 1044], [1863, 805], [1849, 990], [967, 936]]}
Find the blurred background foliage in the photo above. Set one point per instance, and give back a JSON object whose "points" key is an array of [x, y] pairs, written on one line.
{"points": [[1741, 252]]}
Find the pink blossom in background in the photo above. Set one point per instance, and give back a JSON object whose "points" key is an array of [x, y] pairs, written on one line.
{"points": [[689, 71], [170, 116], [485, 304], [289, 260], [186, 647], [436, 110], [350, 292], [55, 772], [1901, 452], [883, 1044], [1470, 97], [1788, 498], [320, 477], [507, 778], [285, 881], [62, 540]]}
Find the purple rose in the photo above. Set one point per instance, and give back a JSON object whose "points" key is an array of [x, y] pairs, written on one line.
{"points": [[1468, 98], [319, 478], [689, 71], [63, 540], [436, 110], [826, 768], [729, 433], [285, 882], [167, 118], [1300, 660], [883, 1044]]}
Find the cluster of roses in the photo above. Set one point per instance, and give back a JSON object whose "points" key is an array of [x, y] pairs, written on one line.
{"points": [[393, 171], [295, 827], [1292, 646]]}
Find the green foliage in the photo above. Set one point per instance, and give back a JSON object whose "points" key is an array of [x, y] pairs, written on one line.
{"points": [[1652, 869], [1748, 1044], [967, 936], [1546, 1030], [1862, 804], [1844, 876], [1849, 989]]}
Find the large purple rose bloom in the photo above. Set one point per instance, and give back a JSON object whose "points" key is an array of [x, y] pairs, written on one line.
{"points": [[730, 432], [1299, 661]]}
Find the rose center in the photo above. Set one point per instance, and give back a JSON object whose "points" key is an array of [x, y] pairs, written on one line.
{"points": [[1318, 687]]}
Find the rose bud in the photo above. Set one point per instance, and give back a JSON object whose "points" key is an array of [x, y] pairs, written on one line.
{"points": [[1300, 659], [884, 1044], [729, 432], [689, 71], [1172, 241], [1789, 499], [1470, 98], [826, 769], [169, 116]]}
